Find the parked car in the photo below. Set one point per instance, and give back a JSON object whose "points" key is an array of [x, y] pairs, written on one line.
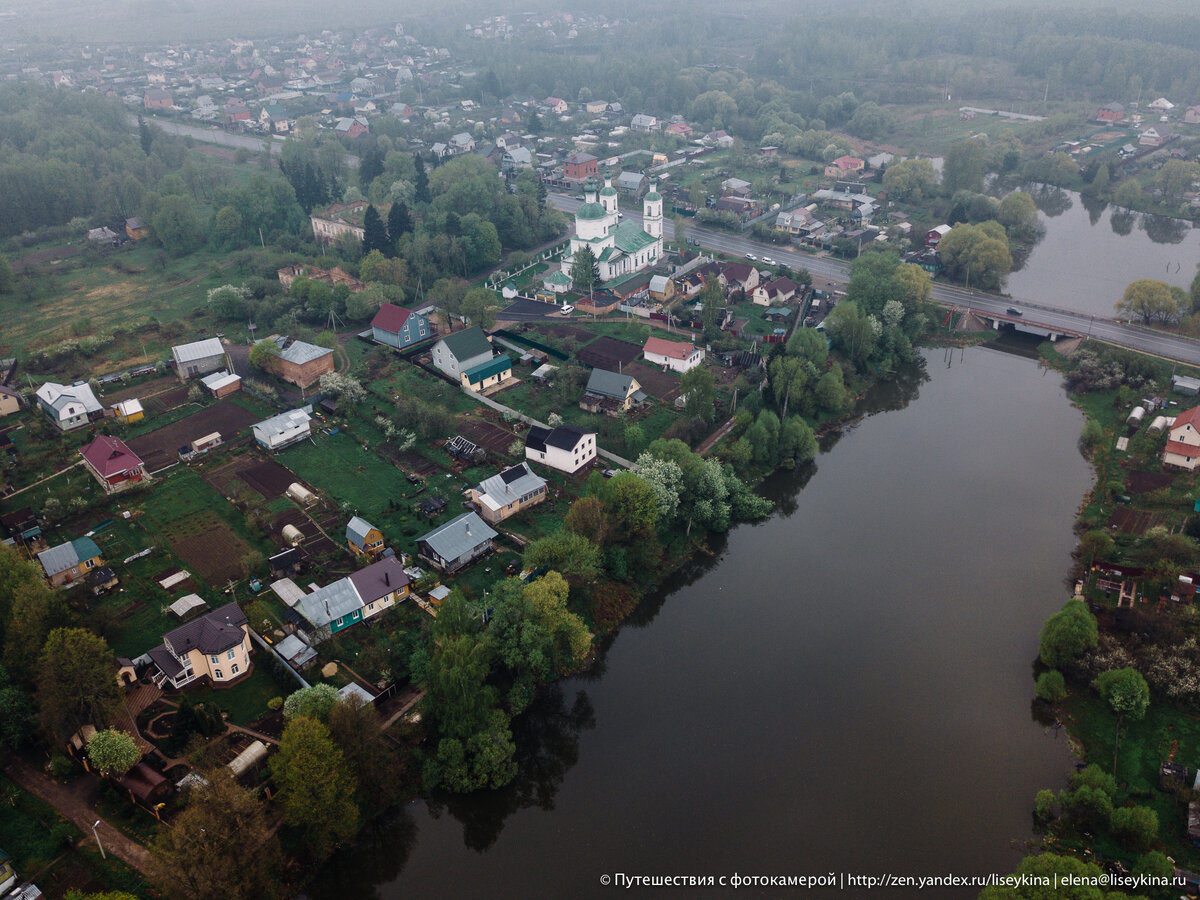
{"points": [[751, 257], [767, 261], [568, 309]]}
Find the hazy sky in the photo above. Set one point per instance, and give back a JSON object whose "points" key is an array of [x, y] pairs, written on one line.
{"points": [[161, 20]]}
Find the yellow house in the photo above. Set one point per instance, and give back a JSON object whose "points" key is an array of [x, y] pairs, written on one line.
{"points": [[363, 537], [489, 374], [508, 493], [10, 401], [380, 585], [130, 411], [215, 647], [71, 561]]}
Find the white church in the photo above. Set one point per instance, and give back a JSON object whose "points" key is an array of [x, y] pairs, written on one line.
{"points": [[620, 248]]}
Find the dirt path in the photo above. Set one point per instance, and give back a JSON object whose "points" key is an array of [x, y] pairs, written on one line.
{"points": [[74, 801], [44, 480], [711, 441]]}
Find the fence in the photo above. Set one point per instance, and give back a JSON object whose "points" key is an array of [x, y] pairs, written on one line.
{"points": [[529, 342]]}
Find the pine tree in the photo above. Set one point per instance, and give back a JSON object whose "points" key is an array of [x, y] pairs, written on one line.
{"points": [[585, 271], [144, 135], [421, 182], [374, 234], [398, 222], [370, 167]]}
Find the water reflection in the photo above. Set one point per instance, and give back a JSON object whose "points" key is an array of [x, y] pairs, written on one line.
{"points": [[380, 854], [1082, 265], [547, 737], [1164, 230], [1122, 221], [1095, 207], [1052, 201]]}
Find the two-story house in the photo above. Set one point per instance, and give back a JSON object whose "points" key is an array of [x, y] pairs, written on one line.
{"points": [[462, 350], [363, 537], [399, 327], [1183, 447], [565, 447], [68, 406], [215, 648]]}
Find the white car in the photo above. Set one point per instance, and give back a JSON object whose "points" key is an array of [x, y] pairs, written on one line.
{"points": [[751, 257], [568, 309], [767, 261]]}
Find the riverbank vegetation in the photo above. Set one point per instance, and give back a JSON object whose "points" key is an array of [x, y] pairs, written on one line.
{"points": [[1118, 665]]}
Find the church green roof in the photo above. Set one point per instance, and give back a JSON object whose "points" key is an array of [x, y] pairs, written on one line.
{"points": [[631, 238], [652, 196], [590, 211], [608, 191]]}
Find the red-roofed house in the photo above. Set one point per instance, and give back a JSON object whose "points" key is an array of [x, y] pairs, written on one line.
{"points": [[1183, 449], [675, 356], [844, 165], [399, 327], [557, 105], [113, 464]]}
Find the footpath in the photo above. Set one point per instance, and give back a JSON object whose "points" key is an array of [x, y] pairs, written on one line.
{"points": [[74, 802]]}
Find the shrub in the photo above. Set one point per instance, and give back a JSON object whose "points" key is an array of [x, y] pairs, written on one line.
{"points": [[1051, 686]]}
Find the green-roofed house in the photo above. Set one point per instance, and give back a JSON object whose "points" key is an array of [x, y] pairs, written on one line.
{"points": [[70, 562], [558, 282], [611, 392], [462, 350], [489, 374]]}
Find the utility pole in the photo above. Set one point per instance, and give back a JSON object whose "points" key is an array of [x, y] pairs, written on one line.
{"points": [[96, 825]]}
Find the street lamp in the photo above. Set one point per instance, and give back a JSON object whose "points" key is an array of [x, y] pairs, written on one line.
{"points": [[96, 825]]}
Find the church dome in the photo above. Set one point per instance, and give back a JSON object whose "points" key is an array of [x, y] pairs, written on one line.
{"points": [[591, 211], [608, 191], [652, 197]]}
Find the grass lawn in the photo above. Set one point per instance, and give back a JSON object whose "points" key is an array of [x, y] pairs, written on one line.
{"points": [[374, 489], [1144, 744], [246, 701]]}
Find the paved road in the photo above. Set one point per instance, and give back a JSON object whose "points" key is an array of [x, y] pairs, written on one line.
{"points": [[213, 135], [1122, 334]]}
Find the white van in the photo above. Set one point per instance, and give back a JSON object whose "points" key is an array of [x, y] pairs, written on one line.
{"points": [[568, 309]]}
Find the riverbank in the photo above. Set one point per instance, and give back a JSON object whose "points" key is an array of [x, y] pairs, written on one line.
{"points": [[1133, 621], [856, 670]]}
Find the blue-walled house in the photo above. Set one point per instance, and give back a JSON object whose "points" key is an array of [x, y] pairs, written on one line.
{"points": [[399, 327]]}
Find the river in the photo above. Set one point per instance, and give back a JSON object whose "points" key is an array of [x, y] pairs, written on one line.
{"points": [[845, 688], [1092, 250]]}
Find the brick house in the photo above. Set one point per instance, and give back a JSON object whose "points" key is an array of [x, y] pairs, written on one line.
{"points": [[580, 167], [302, 363]]}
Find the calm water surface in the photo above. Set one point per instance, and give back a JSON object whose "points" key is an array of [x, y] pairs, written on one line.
{"points": [[845, 688], [1091, 251]]}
